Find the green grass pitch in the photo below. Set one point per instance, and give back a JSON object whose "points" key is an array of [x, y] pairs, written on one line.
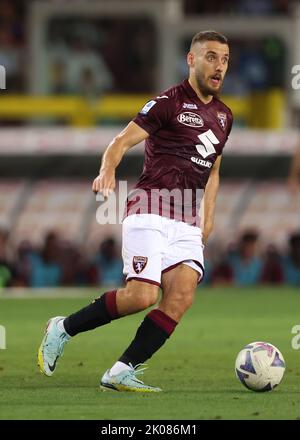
{"points": [[195, 368]]}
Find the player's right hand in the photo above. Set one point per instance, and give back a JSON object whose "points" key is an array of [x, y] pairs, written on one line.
{"points": [[105, 183]]}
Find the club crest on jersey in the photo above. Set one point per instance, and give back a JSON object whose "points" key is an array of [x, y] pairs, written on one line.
{"points": [[222, 118], [139, 263], [190, 119]]}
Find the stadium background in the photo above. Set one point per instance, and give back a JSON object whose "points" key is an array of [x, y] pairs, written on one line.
{"points": [[76, 73]]}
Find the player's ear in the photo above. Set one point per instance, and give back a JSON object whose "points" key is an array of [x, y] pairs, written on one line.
{"points": [[190, 59]]}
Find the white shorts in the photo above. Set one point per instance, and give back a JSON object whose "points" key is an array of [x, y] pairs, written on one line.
{"points": [[153, 244]]}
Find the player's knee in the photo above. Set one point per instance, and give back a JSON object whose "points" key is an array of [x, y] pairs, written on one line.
{"points": [[177, 303], [148, 296], [183, 299], [188, 302], [146, 301], [145, 295]]}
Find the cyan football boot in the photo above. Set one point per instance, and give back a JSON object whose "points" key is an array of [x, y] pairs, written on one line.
{"points": [[52, 346], [126, 380]]}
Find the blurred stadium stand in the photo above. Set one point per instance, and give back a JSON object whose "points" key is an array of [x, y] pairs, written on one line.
{"points": [[57, 205], [77, 72]]}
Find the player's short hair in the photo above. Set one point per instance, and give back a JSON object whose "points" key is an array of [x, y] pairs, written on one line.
{"points": [[203, 36]]}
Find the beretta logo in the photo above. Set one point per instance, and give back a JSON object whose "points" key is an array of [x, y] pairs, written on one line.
{"points": [[190, 119]]}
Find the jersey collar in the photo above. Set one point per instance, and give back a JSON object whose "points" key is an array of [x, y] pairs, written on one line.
{"points": [[193, 95]]}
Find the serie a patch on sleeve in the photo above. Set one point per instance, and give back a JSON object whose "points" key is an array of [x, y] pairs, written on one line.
{"points": [[148, 106]]}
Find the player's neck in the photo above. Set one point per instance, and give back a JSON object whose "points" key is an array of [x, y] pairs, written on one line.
{"points": [[206, 99]]}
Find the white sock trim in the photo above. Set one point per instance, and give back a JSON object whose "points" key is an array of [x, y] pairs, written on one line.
{"points": [[61, 327], [118, 367]]}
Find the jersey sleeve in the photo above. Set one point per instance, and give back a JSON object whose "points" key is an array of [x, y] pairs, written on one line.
{"points": [[155, 114], [230, 122], [228, 130]]}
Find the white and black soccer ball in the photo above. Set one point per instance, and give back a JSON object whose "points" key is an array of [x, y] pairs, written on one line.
{"points": [[260, 366]]}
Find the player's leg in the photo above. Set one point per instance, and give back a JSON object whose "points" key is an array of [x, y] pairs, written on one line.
{"points": [[178, 285], [142, 254], [134, 297], [182, 267]]}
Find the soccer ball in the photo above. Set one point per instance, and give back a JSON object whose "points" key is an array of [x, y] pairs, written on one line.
{"points": [[260, 366]]}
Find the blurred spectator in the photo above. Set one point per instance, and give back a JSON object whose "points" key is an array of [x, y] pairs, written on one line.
{"points": [[22, 264], [272, 271], [255, 7], [91, 56], [256, 65], [10, 58], [246, 265], [3, 244], [208, 268], [291, 263], [220, 272], [209, 7], [235, 83], [73, 265], [252, 66], [5, 268], [274, 53], [87, 72], [282, 6], [77, 68], [109, 264], [58, 80], [45, 270], [294, 173], [63, 263], [12, 44]]}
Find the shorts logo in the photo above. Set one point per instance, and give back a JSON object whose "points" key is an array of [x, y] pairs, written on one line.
{"points": [[222, 117], [190, 119], [139, 264]]}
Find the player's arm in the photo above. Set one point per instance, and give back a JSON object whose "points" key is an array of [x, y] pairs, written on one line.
{"points": [[130, 136], [209, 200]]}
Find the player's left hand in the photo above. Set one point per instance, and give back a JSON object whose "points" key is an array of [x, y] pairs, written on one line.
{"points": [[105, 183]]}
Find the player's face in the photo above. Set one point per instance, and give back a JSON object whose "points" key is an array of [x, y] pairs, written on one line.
{"points": [[208, 62]]}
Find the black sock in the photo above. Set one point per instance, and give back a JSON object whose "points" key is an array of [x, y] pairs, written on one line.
{"points": [[100, 312], [153, 332]]}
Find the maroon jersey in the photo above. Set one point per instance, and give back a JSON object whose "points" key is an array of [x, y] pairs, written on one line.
{"points": [[186, 136]]}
